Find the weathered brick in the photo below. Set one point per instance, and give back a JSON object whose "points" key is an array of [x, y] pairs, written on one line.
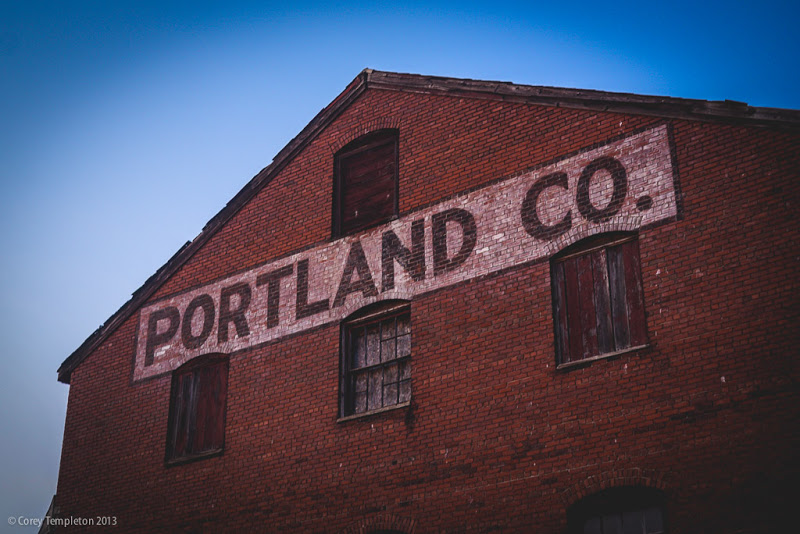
{"points": [[496, 438]]}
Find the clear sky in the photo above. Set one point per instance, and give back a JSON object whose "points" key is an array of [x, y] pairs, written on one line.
{"points": [[127, 125]]}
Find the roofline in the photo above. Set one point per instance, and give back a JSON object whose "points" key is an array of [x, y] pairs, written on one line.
{"points": [[720, 111], [152, 284], [726, 112]]}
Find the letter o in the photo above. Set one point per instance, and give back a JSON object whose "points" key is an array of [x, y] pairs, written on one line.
{"points": [[620, 178], [207, 304], [530, 219]]}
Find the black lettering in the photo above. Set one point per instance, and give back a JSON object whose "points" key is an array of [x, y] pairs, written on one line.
{"points": [[441, 263], [530, 219], [207, 304], [356, 261], [273, 281], [413, 261], [227, 315], [154, 339], [303, 308], [620, 178]]}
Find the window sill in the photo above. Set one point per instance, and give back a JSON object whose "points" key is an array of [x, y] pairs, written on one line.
{"points": [[374, 412], [194, 458], [586, 361]]}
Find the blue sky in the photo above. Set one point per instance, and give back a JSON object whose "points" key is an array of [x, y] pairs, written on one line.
{"points": [[127, 125]]}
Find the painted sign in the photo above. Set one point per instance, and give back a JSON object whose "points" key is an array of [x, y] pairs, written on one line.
{"points": [[621, 186]]}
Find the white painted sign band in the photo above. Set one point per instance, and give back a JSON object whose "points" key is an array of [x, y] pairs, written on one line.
{"points": [[621, 186]]}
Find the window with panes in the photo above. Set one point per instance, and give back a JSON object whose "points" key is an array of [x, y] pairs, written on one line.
{"points": [[598, 307], [625, 510], [376, 359]]}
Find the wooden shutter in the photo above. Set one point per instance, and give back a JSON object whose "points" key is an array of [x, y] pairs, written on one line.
{"points": [[197, 411], [367, 183], [560, 312], [597, 302], [182, 406], [602, 302], [210, 414], [619, 306], [637, 323]]}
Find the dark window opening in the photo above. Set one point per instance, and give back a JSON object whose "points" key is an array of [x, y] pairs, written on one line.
{"points": [[627, 510], [598, 306], [365, 183], [376, 358], [198, 401]]}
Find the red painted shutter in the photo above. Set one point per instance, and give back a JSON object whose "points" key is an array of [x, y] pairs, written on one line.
{"points": [[210, 414], [181, 418], [587, 311], [202, 409], [197, 414], [619, 307], [220, 401], [602, 302], [630, 328], [633, 292], [560, 313], [367, 181], [573, 311], [598, 306]]}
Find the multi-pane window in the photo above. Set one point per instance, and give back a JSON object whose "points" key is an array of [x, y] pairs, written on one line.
{"points": [[597, 298], [376, 359], [197, 409], [365, 183], [626, 510], [637, 521]]}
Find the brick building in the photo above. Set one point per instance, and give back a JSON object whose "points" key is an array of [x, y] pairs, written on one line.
{"points": [[465, 306]]}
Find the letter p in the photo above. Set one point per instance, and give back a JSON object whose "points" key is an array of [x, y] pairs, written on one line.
{"points": [[154, 338]]}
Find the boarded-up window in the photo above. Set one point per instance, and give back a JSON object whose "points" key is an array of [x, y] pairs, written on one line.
{"points": [[597, 298], [197, 409], [365, 185], [376, 359]]}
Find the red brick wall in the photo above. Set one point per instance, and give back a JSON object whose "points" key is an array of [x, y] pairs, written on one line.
{"points": [[496, 439]]}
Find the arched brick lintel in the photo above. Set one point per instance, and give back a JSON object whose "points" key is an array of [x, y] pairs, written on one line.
{"points": [[368, 127], [382, 521], [582, 229], [632, 476]]}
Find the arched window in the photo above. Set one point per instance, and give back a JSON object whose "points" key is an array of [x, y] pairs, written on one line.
{"points": [[365, 191], [598, 308], [625, 510], [376, 358], [198, 401]]}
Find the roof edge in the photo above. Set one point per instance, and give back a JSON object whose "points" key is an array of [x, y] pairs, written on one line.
{"points": [[726, 111], [152, 284], [718, 111]]}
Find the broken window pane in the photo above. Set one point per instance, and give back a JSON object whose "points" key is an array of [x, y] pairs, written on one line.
{"points": [[404, 346], [387, 350], [375, 389], [374, 346], [359, 349]]}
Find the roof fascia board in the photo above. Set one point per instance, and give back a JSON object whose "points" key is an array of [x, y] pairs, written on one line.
{"points": [[726, 111]]}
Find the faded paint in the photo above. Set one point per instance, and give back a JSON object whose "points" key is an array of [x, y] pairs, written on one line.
{"points": [[620, 186]]}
